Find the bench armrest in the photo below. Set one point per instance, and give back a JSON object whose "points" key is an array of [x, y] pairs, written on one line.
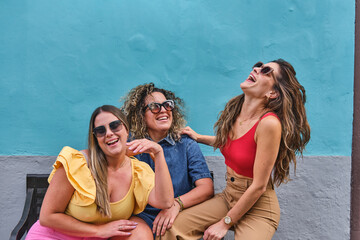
{"points": [[24, 223], [36, 186]]}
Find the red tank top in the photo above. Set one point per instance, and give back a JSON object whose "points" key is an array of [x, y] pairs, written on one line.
{"points": [[240, 153]]}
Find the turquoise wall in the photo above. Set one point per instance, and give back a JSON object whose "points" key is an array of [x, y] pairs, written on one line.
{"points": [[59, 60]]}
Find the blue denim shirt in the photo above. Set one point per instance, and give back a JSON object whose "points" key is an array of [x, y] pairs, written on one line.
{"points": [[186, 164]]}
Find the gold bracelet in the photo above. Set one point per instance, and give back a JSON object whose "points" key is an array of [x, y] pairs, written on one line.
{"points": [[178, 200]]}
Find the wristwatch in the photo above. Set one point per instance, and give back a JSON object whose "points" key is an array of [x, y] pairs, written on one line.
{"points": [[227, 220]]}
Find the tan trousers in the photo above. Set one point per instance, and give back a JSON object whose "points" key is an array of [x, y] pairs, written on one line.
{"points": [[259, 223]]}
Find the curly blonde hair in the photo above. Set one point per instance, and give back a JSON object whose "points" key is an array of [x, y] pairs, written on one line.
{"points": [[134, 105], [289, 106]]}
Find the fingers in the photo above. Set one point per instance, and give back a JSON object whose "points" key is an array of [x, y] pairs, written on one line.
{"points": [[126, 228], [134, 146], [164, 220], [165, 226], [170, 223], [183, 130], [116, 228], [206, 234], [209, 234], [155, 223], [129, 153], [138, 146], [160, 226], [143, 146], [172, 218], [186, 130], [127, 222], [126, 225]]}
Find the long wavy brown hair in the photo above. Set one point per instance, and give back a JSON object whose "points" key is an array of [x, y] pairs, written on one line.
{"points": [[289, 106], [134, 105], [97, 160]]}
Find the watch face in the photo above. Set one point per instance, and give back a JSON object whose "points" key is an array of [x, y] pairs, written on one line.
{"points": [[227, 220]]}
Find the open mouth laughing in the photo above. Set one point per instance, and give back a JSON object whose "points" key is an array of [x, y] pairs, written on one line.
{"points": [[251, 78], [112, 142], [162, 118]]}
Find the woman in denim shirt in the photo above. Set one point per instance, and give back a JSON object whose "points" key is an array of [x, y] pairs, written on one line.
{"points": [[157, 114]]}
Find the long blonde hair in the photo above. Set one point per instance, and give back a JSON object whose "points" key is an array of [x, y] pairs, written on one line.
{"points": [[134, 103], [289, 106], [97, 160]]}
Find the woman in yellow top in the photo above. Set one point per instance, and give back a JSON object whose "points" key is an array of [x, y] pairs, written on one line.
{"points": [[93, 193]]}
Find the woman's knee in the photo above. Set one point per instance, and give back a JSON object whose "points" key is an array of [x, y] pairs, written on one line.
{"points": [[142, 230]]}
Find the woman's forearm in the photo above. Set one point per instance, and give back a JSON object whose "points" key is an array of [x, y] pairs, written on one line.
{"points": [[203, 191], [69, 225], [247, 200], [163, 190], [206, 139]]}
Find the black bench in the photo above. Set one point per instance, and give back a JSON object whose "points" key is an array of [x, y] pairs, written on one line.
{"points": [[36, 186]]}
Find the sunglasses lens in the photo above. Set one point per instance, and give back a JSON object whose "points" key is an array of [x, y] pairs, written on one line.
{"points": [[168, 105], [266, 70], [154, 107], [258, 64], [99, 131], [115, 126]]}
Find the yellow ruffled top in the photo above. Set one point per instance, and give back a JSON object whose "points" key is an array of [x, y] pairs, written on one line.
{"points": [[82, 204]]}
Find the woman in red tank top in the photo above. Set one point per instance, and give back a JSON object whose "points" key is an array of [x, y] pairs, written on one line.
{"points": [[259, 133]]}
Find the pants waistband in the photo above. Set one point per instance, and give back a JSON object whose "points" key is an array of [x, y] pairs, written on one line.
{"points": [[244, 181]]}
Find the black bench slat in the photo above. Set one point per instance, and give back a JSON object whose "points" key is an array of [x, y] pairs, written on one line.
{"points": [[36, 186]]}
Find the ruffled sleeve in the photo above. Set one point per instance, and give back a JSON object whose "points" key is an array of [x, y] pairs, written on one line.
{"points": [[78, 174], [144, 182]]}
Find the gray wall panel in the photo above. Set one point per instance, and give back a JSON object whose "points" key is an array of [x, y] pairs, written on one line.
{"points": [[315, 205]]}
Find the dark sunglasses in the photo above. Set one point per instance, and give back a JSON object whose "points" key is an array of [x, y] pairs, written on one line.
{"points": [[156, 107], [264, 70], [114, 126]]}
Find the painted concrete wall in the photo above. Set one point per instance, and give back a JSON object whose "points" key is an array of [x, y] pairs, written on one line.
{"points": [[59, 60], [62, 59], [315, 205]]}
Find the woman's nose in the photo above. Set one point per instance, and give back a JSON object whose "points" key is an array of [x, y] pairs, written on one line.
{"points": [[109, 132], [162, 109]]}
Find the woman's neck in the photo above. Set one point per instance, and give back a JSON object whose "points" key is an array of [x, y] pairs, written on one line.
{"points": [[252, 108], [116, 162], [158, 135]]}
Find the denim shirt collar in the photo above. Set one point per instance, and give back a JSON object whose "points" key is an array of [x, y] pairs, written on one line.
{"points": [[167, 139]]}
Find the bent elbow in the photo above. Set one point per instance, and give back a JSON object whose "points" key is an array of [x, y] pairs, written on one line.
{"points": [[211, 191], [208, 191], [261, 190], [169, 203], [164, 205], [46, 219], [211, 195], [258, 189], [43, 220]]}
